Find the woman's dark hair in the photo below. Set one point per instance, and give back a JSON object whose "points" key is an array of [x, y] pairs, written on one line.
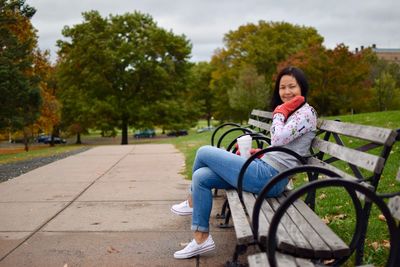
{"points": [[301, 79]]}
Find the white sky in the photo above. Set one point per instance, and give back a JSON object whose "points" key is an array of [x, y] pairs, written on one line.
{"points": [[204, 22]]}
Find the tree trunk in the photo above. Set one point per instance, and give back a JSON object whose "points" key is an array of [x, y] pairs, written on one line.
{"points": [[209, 120], [124, 128], [51, 143], [78, 139], [26, 145]]}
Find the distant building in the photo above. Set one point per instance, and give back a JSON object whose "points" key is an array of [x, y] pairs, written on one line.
{"points": [[388, 54]]}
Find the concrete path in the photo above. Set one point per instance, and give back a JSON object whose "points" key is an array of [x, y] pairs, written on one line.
{"points": [[108, 206]]}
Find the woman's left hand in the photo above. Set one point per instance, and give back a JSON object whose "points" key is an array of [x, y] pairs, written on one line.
{"points": [[255, 150]]}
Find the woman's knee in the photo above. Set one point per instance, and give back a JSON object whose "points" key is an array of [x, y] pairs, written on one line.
{"points": [[199, 176], [204, 151]]}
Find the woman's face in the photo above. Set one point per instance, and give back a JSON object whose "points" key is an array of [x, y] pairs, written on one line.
{"points": [[288, 88]]}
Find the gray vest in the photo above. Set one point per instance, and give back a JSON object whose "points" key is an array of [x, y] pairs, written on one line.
{"points": [[282, 161]]}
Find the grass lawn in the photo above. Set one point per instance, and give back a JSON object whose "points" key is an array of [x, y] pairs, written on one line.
{"points": [[17, 153]]}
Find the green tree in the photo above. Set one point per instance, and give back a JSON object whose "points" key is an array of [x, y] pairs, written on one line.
{"points": [[386, 79], [386, 94], [19, 91], [201, 95], [249, 92], [124, 64]]}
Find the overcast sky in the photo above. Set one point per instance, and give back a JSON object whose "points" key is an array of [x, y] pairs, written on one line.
{"points": [[204, 22]]}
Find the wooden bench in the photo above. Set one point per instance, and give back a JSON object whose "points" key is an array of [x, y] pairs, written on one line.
{"points": [[362, 152]]}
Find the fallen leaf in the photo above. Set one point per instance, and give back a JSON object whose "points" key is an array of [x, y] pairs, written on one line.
{"points": [[327, 262], [112, 250], [375, 245], [386, 243], [339, 217], [326, 220], [322, 196], [382, 218]]}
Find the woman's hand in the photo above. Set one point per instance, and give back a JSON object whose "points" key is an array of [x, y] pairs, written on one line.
{"points": [[252, 152], [286, 109], [255, 150]]}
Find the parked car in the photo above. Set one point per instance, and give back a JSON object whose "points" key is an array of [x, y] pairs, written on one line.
{"points": [[146, 133], [42, 138], [205, 129], [57, 140], [178, 133], [46, 139]]}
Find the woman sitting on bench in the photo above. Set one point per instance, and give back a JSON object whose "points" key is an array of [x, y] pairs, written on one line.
{"points": [[294, 125]]}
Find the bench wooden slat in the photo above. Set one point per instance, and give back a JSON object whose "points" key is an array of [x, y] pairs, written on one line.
{"points": [[264, 221], [259, 124], [371, 133], [242, 227], [394, 207], [302, 246], [367, 161], [317, 162], [285, 242], [261, 113], [249, 200], [321, 249], [258, 260], [261, 260], [339, 248]]}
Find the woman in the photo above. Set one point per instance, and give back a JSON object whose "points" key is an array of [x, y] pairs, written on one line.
{"points": [[293, 126]]}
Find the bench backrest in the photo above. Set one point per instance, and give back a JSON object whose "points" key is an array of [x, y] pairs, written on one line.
{"points": [[260, 120], [361, 149]]}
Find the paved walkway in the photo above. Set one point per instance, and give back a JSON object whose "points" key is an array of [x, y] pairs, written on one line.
{"points": [[108, 206]]}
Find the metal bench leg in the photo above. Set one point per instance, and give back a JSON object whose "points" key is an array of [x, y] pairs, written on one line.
{"points": [[239, 249], [222, 215], [215, 192], [360, 246], [226, 224]]}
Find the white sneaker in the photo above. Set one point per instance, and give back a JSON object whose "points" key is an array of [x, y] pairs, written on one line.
{"points": [[182, 209], [194, 249]]}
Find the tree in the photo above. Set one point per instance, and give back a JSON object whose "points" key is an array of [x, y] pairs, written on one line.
{"points": [[201, 96], [19, 92], [50, 108], [386, 89], [386, 95], [261, 45], [123, 66], [339, 79], [249, 92]]}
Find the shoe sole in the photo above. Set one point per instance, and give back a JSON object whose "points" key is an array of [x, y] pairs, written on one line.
{"points": [[181, 213], [198, 252]]}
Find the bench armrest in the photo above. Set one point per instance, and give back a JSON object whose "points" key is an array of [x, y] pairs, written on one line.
{"points": [[219, 128], [236, 129]]}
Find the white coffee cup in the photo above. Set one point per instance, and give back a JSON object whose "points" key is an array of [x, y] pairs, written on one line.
{"points": [[244, 145]]}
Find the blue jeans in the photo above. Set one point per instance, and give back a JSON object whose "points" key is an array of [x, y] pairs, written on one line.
{"points": [[217, 168]]}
